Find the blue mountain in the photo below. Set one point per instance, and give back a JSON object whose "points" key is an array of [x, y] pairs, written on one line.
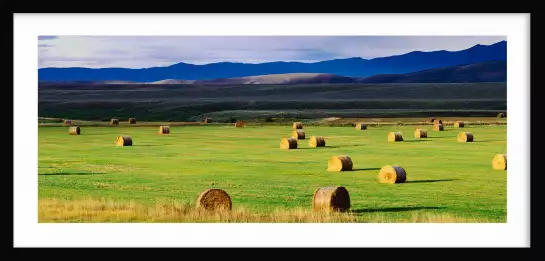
{"points": [[350, 67]]}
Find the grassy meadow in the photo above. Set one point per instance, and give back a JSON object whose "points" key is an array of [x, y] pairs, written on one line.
{"points": [[87, 178]]}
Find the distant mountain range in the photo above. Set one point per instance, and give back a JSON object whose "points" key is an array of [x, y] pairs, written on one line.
{"points": [[494, 71], [478, 63]]}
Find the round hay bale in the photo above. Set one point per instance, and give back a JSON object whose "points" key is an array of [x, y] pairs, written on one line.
{"points": [[361, 126], [331, 199], [67, 122], [239, 124], [395, 136], [124, 141], [431, 119], [214, 200], [298, 134], [164, 129], [420, 133], [459, 124], [392, 174], [288, 143], [207, 120], [316, 141], [297, 125], [499, 162], [501, 115], [465, 137], [339, 163], [114, 121], [132, 120], [438, 127], [74, 130]]}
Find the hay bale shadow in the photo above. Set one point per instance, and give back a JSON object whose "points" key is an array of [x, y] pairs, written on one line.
{"points": [[363, 169], [352, 145], [415, 140], [328, 147], [396, 209], [71, 173], [429, 180]]}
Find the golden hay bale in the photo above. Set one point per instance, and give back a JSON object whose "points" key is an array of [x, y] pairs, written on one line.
{"points": [[132, 120], [431, 119], [124, 141], [74, 130], [288, 143], [339, 163], [361, 126], [164, 129], [395, 136], [114, 121], [437, 127], [297, 125], [501, 115], [207, 120], [298, 134], [436, 121], [331, 199], [459, 124], [420, 133], [239, 124], [316, 141], [499, 162], [465, 137], [67, 122], [392, 174], [213, 200]]}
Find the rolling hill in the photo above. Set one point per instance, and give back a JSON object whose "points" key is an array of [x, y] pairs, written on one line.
{"points": [[350, 67], [495, 71]]}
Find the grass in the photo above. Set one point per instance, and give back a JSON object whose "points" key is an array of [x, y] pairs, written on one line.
{"points": [[103, 210], [448, 181]]}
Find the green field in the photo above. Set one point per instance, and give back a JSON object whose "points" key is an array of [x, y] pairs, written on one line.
{"points": [[445, 178]]}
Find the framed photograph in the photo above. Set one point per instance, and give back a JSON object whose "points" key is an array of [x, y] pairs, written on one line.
{"points": [[375, 129]]}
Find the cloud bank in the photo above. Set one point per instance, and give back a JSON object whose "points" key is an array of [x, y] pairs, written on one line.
{"points": [[154, 51]]}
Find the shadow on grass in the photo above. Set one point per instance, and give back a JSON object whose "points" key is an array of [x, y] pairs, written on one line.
{"points": [[397, 209], [487, 140], [148, 145], [414, 140], [336, 147], [71, 174], [438, 137], [360, 169], [429, 180], [351, 145], [319, 148]]}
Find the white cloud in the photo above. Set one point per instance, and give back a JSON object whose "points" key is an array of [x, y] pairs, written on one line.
{"points": [[150, 51]]}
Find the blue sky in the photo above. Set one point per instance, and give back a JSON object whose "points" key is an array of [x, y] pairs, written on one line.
{"points": [[151, 51]]}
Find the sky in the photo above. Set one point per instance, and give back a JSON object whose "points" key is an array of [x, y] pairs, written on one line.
{"points": [[155, 51]]}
